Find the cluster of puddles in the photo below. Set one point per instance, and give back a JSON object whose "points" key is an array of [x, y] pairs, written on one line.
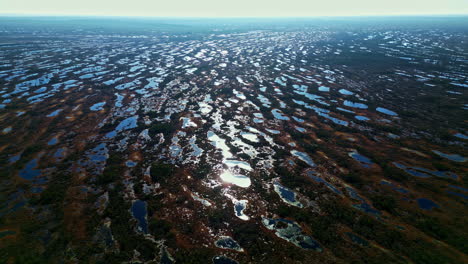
{"points": [[229, 175]]}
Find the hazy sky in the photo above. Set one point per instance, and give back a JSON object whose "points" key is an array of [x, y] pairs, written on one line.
{"points": [[234, 8]]}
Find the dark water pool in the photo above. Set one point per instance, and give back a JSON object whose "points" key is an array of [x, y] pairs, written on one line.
{"points": [[139, 212], [426, 204]]}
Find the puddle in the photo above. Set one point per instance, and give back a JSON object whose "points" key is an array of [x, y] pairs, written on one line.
{"points": [[394, 187], [197, 151], [354, 105], [126, 124], [353, 194], [287, 195], [460, 135], [464, 196], [304, 157], [60, 153], [226, 242], [239, 207], [291, 232], [361, 118], [236, 179], [29, 172], [320, 180], [186, 122], [345, 92], [279, 115], [425, 173], [272, 131], [452, 157], [97, 106], [300, 129], [14, 158], [364, 161], [205, 108], [220, 144], [324, 89], [52, 141], [249, 136], [54, 113], [201, 200], [386, 111], [426, 204], [139, 212], [130, 163], [458, 188], [281, 81], [237, 163]]}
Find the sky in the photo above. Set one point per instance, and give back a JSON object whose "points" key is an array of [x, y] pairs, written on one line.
{"points": [[233, 8]]}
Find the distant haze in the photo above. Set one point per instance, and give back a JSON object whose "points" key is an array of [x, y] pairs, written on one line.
{"points": [[233, 8]]}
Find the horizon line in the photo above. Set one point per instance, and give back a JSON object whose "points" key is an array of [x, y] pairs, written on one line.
{"points": [[229, 17]]}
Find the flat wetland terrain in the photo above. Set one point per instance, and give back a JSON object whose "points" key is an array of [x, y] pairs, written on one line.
{"points": [[338, 140]]}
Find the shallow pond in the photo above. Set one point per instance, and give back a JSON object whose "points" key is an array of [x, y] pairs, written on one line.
{"points": [[353, 194], [324, 89], [386, 111], [452, 157], [186, 122], [97, 106], [304, 157], [287, 195], [363, 160], [15, 158], [279, 115], [60, 153], [220, 144], [54, 113], [426, 204], [464, 196], [320, 180], [139, 212], [130, 163], [29, 172], [345, 92], [291, 232], [126, 124], [227, 242], [239, 207], [236, 179], [238, 163], [425, 173], [52, 141], [460, 135], [362, 118], [354, 105]]}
